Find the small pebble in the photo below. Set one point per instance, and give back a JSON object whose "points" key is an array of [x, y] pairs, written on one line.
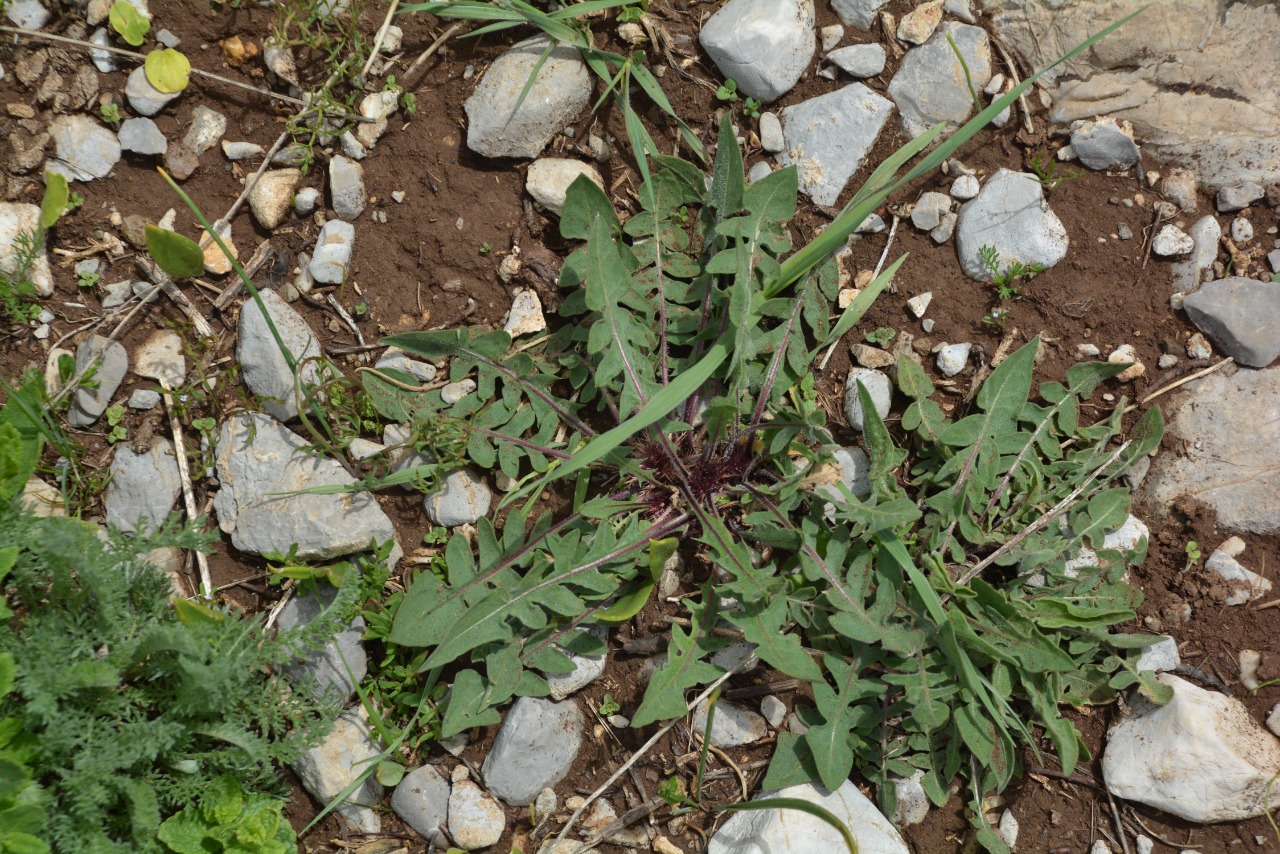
{"points": [[1126, 353], [918, 305], [1167, 361], [1241, 230], [454, 392], [144, 398], [927, 324], [305, 201], [1087, 351], [965, 187], [1124, 231], [1198, 347], [397, 196], [241, 150], [1172, 240]]}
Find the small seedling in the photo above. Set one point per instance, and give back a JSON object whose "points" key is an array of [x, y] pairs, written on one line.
{"points": [[633, 14], [87, 278], [1046, 168], [728, 90], [1009, 279], [486, 248], [751, 107], [74, 201], [115, 415], [609, 706], [1193, 554], [110, 113], [881, 336], [129, 22], [407, 99]]}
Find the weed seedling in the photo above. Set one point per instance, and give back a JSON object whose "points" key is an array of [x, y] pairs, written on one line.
{"points": [[1050, 172], [486, 248], [87, 278], [115, 419], [1009, 278], [751, 107], [110, 113], [609, 706], [1193, 554], [728, 90], [882, 336]]}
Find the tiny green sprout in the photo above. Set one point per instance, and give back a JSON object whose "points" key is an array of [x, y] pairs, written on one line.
{"points": [[882, 336], [609, 706], [115, 415], [110, 113], [362, 309], [1193, 553], [129, 22], [87, 278], [751, 107], [632, 14], [728, 90], [673, 791], [486, 248]]}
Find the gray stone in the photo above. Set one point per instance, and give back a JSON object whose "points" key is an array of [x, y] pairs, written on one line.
{"points": [[788, 831], [920, 23], [1273, 258], [733, 725], [739, 656], [960, 9], [422, 801], [495, 128], [829, 136], [462, 500], [913, 802], [168, 39], [1238, 196], [475, 819], [144, 399], [160, 358], [260, 462], [402, 454], [327, 769], [333, 252], [86, 150], [965, 187], [764, 45], [143, 487], [379, 106], [207, 127], [18, 218], [1171, 240], [953, 358], [586, 669], [144, 98], [859, 60], [1200, 756], [759, 172], [878, 387], [546, 802], [928, 210], [873, 224], [771, 138], [1241, 231], [1241, 316], [141, 136], [346, 188], [263, 366], [525, 316], [1230, 435], [88, 404], [1105, 144], [1178, 73], [855, 476], [945, 229], [454, 392], [1012, 215], [1160, 656], [334, 670], [242, 150], [534, 749], [272, 197], [548, 180], [930, 85], [116, 294], [103, 60], [858, 13], [352, 147], [1242, 585], [397, 359], [773, 710], [1189, 273], [306, 201], [27, 14], [1124, 232]]}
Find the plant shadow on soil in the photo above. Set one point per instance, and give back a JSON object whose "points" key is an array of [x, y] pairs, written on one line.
{"points": [[424, 267]]}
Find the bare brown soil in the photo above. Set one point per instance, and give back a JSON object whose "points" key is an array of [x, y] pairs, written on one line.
{"points": [[425, 268]]}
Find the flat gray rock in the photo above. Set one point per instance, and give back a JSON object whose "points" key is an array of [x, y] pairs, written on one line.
{"points": [[858, 13], [1241, 317], [1191, 272], [144, 98], [562, 89], [160, 358], [878, 387], [771, 138], [787, 831], [272, 197], [475, 819], [1238, 196], [27, 14], [764, 45], [331, 766], [855, 471], [1104, 144], [346, 187], [86, 150], [828, 137], [733, 725], [143, 488], [88, 404], [1228, 430], [335, 669], [534, 749], [141, 136], [462, 500], [263, 366], [587, 669], [16, 218], [859, 60], [1011, 214], [258, 461], [930, 84], [207, 127], [334, 246], [422, 800]]}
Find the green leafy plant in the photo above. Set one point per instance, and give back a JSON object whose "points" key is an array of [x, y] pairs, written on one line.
{"points": [[486, 248], [608, 706], [17, 290], [728, 90], [1050, 172], [1009, 277], [881, 336], [231, 820], [632, 14], [407, 99], [128, 22], [87, 278], [115, 419], [110, 113], [1193, 554], [751, 107]]}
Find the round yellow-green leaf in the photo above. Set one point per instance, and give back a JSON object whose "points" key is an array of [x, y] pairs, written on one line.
{"points": [[180, 257], [168, 70], [129, 22]]}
